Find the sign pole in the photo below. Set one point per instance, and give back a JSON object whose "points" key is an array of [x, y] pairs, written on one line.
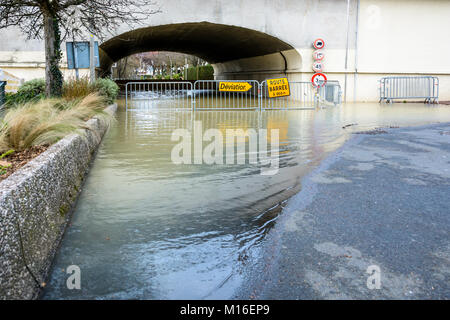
{"points": [[75, 60], [92, 58]]}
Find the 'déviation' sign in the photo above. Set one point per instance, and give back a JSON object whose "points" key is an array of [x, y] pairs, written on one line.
{"points": [[278, 87], [234, 86]]}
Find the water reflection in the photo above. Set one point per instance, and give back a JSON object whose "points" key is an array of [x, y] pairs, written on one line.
{"points": [[145, 228]]}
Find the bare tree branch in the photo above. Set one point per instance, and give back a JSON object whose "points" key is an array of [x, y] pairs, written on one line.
{"points": [[55, 20], [98, 17]]}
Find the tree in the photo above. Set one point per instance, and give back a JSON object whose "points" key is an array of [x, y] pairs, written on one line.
{"points": [[52, 20]]}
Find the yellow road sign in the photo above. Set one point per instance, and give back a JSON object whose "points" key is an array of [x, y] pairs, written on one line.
{"points": [[278, 87], [234, 86]]}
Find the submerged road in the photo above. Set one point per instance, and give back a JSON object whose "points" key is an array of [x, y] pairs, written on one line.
{"points": [[382, 200]]}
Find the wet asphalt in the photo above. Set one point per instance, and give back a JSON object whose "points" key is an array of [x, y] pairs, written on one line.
{"points": [[381, 202]]}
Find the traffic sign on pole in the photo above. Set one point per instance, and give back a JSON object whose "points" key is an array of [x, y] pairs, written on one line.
{"points": [[317, 66], [319, 43], [318, 55], [319, 80]]}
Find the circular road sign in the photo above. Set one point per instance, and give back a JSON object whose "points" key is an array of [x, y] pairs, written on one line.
{"points": [[319, 80], [318, 55], [319, 44], [317, 66]]}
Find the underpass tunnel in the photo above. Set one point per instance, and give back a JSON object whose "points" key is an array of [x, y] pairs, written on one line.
{"points": [[235, 52]]}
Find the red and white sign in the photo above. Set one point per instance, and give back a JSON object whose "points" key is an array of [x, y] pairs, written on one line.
{"points": [[317, 66], [319, 44], [318, 55], [319, 80]]}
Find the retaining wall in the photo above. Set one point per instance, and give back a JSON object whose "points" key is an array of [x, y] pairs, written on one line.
{"points": [[35, 206]]}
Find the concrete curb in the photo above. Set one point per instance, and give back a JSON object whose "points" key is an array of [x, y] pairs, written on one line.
{"points": [[35, 207]]}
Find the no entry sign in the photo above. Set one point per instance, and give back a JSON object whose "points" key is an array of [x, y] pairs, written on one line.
{"points": [[319, 80], [319, 44]]}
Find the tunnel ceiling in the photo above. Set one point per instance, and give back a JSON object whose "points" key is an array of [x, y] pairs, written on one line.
{"points": [[211, 42]]}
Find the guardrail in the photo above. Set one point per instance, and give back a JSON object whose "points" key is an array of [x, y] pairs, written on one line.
{"points": [[252, 95], [409, 87], [330, 94]]}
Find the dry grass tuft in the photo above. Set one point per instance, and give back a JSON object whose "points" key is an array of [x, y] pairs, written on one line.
{"points": [[75, 89], [47, 121]]}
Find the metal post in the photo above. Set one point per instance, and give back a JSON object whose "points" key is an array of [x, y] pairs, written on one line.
{"points": [[346, 51], [75, 59], [92, 58], [198, 61], [356, 52]]}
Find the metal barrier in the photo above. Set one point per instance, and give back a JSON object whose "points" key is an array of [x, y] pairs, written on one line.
{"points": [[330, 94], [173, 95], [207, 95], [2, 93], [303, 96], [409, 87]]}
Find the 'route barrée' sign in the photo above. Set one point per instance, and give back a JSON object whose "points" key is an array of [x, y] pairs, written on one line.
{"points": [[278, 87]]}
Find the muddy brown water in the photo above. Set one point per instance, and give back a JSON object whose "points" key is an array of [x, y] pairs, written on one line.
{"points": [[146, 228]]}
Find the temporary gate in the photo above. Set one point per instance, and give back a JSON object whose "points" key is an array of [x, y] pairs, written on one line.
{"points": [[302, 96], [178, 95], [409, 87], [208, 95]]}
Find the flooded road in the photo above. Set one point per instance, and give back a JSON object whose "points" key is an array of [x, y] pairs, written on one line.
{"points": [[146, 228]]}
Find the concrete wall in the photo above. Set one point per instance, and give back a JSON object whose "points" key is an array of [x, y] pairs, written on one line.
{"points": [[394, 37], [35, 207]]}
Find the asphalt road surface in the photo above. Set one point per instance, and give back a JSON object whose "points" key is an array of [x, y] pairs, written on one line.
{"points": [[382, 202]]}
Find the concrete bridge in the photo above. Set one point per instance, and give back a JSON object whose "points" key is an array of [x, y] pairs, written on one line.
{"points": [[259, 39]]}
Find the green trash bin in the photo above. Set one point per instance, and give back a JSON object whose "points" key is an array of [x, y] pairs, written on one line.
{"points": [[2, 92]]}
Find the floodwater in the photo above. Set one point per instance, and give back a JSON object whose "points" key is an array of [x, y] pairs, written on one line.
{"points": [[146, 228]]}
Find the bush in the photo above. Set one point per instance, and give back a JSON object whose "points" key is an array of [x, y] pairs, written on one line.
{"points": [[204, 73], [46, 121], [107, 88], [177, 76], [32, 90], [75, 89]]}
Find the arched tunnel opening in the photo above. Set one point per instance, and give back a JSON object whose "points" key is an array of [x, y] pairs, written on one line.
{"points": [[235, 52]]}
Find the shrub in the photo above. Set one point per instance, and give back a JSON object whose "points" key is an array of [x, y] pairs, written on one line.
{"points": [[176, 76], [46, 121], [32, 90], [9, 98], [107, 88], [75, 89], [204, 73]]}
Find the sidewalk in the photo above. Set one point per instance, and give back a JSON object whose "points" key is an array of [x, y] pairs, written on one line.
{"points": [[382, 199]]}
